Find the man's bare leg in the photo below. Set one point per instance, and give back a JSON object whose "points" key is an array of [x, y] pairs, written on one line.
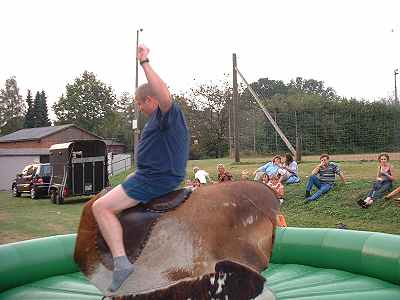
{"points": [[105, 211]]}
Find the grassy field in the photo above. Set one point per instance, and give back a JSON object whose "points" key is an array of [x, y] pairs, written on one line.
{"points": [[23, 218]]}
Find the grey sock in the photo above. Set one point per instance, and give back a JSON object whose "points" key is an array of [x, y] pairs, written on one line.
{"points": [[121, 262], [122, 269]]}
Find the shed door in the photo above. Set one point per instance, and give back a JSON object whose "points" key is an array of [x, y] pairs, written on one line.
{"points": [[11, 166]]}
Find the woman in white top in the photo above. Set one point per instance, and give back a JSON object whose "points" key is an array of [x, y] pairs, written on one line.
{"points": [[289, 170], [201, 175]]}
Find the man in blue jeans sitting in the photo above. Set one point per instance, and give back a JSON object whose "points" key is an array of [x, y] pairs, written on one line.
{"points": [[323, 177]]}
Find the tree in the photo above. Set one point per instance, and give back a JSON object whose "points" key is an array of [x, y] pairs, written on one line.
{"points": [[40, 113], [87, 103], [118, 124], [208, 117], [315, 87], [29, 116], [11, 107]]}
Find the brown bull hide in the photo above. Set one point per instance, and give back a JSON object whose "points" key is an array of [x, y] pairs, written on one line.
{"points": [[212, 246]]}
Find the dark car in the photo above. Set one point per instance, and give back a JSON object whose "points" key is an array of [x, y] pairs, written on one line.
{"points": [[34, 179]]}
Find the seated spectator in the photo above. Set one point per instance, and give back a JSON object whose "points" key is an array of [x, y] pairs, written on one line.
{"points": [[192, 183], [270, 168], [275, 184], [383, 183], [245, 175], [201, 175], [223, 175], [288, 170], [323, 177]]}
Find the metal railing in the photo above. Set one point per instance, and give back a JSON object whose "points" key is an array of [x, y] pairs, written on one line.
{"points": [[119, 163]]}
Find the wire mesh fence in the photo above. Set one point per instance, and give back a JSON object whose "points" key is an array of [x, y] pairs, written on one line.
{"points": [[318, 121]]}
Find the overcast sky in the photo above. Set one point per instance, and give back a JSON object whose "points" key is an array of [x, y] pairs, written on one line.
{"points": [[353, 46]]}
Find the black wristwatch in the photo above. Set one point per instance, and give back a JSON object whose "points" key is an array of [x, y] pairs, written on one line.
{"points": [[144, 61]]}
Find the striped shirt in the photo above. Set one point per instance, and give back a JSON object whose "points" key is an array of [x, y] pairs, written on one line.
{"points": [[327, 175]]}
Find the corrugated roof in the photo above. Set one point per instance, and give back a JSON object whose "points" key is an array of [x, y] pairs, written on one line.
{"points": [[29, 134], [24, 152], [32, 133]]}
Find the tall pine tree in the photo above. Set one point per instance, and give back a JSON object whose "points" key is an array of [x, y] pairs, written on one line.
{"points": [[29, 116], [40, 110]]}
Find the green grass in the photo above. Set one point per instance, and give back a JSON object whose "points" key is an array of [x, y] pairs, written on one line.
{"points": [[23, 218]]}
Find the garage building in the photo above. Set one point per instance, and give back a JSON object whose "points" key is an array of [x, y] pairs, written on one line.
{"points": [[30, 145]]}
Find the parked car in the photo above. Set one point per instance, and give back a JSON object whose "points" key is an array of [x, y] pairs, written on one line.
{"points": [[34, 179]]}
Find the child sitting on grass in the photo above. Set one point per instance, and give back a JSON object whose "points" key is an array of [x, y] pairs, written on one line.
{"points": [[245, 175], [275, 184]]}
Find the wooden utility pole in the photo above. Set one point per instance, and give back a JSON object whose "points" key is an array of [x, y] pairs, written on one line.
{"points": [[230, 139], [136, 125], [235, 109]]}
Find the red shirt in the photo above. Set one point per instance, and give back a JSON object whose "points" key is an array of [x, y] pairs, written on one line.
{"points": [[224, 177]]}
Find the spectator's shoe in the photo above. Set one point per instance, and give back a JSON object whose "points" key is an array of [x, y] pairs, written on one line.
{"points": [[361, 202], [341, 226], [308, 200], [307, 195]]}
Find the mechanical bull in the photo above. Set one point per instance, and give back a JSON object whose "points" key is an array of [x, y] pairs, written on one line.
{"points": [[213, 244]]}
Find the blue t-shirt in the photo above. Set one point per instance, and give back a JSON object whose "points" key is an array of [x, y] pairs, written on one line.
{"points": [[163, 148], [270, 168]]}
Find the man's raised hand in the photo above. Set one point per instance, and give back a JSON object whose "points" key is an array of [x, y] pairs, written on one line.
{"points": [[142, 52]]}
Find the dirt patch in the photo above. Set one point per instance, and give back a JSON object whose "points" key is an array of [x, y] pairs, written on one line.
{"points": [[57, 228], [11, 237], [4, 216], [353, 157]]}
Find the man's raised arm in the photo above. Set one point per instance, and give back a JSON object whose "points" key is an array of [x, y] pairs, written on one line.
{"points": [[157, 85]]}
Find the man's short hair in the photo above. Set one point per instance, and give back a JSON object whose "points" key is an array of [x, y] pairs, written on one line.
{"points": [[144, 91], [324, 155], [195, 169]]}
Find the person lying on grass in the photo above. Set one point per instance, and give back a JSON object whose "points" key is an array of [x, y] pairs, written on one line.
{"points": [[270, 168], [323, 178], [383, 183]]}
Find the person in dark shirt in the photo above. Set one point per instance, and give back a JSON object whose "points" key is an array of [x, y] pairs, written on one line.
{"points": [[384, 181], [162, 154], [223, 175]]}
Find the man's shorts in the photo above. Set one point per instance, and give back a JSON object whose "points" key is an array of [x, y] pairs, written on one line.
{"points": [[144, 190]]}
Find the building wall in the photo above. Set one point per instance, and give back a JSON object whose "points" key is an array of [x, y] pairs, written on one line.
{"points": [[69, 134], [116, 149], [11, 166], [15, 164]]}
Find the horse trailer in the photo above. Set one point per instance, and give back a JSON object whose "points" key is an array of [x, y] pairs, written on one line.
{"points": [[79, 168]]}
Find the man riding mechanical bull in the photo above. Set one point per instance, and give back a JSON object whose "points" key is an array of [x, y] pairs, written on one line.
{"points": [[133, 243], [161, 164]]}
